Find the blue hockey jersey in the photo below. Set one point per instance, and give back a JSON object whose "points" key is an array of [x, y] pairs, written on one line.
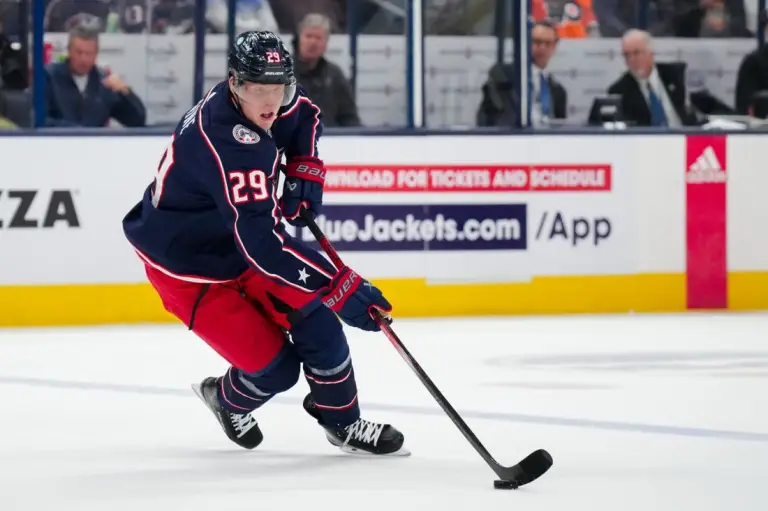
{"points": [[212, 209]]}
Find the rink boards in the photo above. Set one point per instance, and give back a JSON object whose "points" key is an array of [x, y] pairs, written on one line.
{"points": [[446, 225]]}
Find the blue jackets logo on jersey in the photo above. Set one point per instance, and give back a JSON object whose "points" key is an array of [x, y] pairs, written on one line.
{"points": [[245, 135]]}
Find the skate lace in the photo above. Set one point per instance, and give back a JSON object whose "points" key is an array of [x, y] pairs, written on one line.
{"points": [[365, 431], [242, 422]]}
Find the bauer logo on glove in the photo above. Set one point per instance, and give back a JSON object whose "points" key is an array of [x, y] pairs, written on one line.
{"points": [[355, 300], [304, 180], [313, 173], [341, 290]]}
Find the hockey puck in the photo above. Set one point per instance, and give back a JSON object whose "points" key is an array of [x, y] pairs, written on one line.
{"points": [[501, 484]]}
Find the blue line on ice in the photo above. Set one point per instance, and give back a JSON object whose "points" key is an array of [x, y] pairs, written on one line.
{"points": [[435, 410]]}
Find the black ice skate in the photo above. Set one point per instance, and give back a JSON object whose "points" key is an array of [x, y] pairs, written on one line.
{"points": [[240, 428], [362, 436]]}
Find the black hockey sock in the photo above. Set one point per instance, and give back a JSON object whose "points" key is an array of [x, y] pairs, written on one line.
{"points": [[334, 392], [242, 392], [238, 395]]}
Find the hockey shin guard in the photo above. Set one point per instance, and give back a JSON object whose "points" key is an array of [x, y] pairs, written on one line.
{"points": [[242, 392], [322, 347], [335, 393]]}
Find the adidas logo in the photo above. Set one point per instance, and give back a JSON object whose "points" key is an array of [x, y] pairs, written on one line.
{"points": [[706, 169]]}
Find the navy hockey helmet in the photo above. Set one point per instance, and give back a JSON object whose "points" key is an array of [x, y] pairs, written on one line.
{"points": [[260, 57]]}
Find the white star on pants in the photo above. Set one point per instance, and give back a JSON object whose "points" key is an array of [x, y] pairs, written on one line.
{"points": [[303, 275]]}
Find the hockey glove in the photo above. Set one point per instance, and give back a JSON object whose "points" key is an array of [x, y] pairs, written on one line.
{"points": [[303, 187], [355, 300]]}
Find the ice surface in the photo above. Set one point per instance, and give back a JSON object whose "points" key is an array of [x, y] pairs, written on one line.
{"points": [[639, 412]]}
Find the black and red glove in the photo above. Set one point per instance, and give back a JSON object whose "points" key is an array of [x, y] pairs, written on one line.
{"points": [[303, 187], [355, 300]]}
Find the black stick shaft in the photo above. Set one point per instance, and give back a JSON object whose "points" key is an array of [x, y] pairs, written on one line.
{"points": [[406, 355]]}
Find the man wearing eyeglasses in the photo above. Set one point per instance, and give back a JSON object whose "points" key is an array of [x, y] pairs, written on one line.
{"points": [[549, 99], [653, 94]]}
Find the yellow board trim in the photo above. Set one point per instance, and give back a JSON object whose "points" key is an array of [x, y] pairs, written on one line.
{"points": [[98, 304], [748, 291]]}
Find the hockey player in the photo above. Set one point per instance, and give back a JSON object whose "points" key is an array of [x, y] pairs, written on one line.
{"points": [[209, 231]]}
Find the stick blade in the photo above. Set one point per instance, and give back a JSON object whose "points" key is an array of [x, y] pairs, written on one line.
{"points": [[529, 469], [536, 464]]}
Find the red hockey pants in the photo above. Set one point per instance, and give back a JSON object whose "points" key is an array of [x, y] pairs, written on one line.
{"points": [[238, 319]]}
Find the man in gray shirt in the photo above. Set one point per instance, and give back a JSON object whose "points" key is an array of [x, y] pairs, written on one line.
{"points": [[323, 80]]}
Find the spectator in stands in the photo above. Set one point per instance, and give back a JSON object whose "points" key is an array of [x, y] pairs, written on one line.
{"points": [[752, 77], [652, 94], [323, 80], [573, 19], [82, 94], [549, 99]]}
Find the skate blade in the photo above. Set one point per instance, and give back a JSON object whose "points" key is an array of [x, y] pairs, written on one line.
{"points": [[198, 389], [402, 452], [360, 452]]}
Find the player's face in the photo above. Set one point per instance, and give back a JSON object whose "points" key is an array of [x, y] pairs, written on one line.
{"points": [[259, 102], [82, 55]]}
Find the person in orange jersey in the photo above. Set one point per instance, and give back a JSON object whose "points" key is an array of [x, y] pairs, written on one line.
{"points": [[575, 19]]}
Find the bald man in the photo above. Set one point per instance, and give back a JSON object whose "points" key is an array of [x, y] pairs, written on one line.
{"points": [[653, 94]]}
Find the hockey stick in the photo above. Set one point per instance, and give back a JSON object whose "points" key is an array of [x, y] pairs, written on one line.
{"points": [[527, 470]]}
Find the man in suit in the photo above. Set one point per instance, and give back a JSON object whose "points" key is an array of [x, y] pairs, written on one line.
{"points": [[652, 94], [549, 99], [752, 78]]}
